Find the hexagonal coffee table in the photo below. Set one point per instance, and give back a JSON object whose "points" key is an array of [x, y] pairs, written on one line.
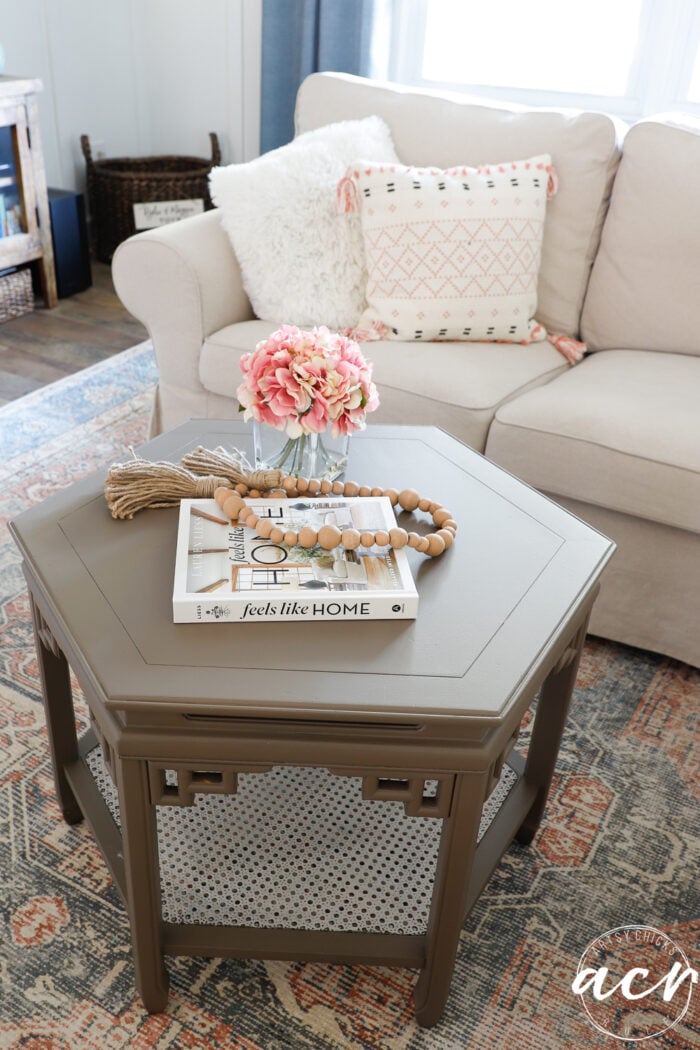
{"points": [[245, 781]]}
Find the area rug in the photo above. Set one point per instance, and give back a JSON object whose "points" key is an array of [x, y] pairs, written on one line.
{"points": [[619, 844]]}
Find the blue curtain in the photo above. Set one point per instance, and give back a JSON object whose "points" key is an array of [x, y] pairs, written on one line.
{"points": [[307, 36]]}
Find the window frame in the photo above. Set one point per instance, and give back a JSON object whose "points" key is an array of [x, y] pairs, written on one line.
{"points": [[659, 76]]}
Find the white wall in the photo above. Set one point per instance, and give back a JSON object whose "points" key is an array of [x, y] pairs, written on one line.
{"points": [[139, 77]]}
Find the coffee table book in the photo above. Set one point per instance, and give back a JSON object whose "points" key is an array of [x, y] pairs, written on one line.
{"points": [[226, 572]]}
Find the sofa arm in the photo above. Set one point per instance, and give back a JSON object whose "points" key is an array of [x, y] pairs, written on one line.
{"points": [[183, 282]]}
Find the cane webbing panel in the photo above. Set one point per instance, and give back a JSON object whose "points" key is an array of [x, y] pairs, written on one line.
{"points": [[297, 848]]}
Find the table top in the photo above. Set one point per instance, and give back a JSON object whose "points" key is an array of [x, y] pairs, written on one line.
{"points": [[491, 608]]}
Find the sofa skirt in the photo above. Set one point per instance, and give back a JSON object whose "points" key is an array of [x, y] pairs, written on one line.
{"points": [[650, 592]]}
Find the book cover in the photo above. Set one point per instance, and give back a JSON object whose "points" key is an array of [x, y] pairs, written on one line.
{"points": [[226, 573]]}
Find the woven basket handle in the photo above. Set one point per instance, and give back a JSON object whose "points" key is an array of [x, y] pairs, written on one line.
{"points": [[87, 152], [215, 149]]}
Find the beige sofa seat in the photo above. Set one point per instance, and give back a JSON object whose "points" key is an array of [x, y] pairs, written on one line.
{"points": [[459, 385], [622, 430], [617, 442]]}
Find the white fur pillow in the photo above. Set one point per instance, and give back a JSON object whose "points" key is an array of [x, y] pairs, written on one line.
{"points": [[302, 261]]}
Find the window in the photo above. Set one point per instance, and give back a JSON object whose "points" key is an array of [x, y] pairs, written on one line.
{"points": [[629, 57]]}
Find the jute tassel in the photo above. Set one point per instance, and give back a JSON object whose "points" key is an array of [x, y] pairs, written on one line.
{"points": [[233, 466], [131, 487]]}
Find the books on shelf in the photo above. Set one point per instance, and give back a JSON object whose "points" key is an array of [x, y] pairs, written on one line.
{"points": [[226, 573]]}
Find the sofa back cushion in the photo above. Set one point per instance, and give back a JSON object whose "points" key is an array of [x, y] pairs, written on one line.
{"points": [[644, 291], [445, 131]]}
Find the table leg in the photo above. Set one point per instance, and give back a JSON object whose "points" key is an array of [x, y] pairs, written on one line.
{"points": [[457, 846], [141, 869], [60, 714], [552, 711]]}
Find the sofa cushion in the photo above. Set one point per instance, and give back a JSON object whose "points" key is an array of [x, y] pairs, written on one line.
{"points": [[300, 258], [644, 285], [429, 129], [621, 430], [452, 253], [456, 379]]}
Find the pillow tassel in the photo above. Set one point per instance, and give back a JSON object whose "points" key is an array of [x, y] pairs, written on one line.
{"points": [[346, 194], [552, 184]]}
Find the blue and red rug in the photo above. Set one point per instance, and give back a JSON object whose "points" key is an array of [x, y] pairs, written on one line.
{"points": [[619, 845]]}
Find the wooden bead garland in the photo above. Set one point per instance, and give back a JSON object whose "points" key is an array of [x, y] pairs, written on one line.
{"points": [[328, 537]]}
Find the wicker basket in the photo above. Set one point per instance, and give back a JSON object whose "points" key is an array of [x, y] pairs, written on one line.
{"points": [[16, 294], [114, 186]]}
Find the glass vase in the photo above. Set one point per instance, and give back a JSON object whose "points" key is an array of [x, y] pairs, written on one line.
{"points": [[309, 456]]}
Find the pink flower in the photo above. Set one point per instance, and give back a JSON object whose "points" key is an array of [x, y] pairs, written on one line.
{"points": [[304, 382]]}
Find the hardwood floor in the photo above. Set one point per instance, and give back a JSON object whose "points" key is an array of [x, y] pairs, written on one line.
{"points": [[46, 345]]}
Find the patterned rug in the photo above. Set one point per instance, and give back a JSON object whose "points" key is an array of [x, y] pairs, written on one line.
{"points": [[619, 844]]}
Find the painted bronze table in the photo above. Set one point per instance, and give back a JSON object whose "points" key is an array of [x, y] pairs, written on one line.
{"points": [[311, 790]]}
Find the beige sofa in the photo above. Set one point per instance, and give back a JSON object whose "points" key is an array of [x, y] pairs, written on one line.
{"points": [[616, 438]]}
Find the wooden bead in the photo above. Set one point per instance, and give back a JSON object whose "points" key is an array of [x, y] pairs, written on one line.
{"points": [[436, 545], [350, 539], [398, 538], [329, 537], [447, 536], [307, 536], [409, 499], [264, 528], [233, 506]]}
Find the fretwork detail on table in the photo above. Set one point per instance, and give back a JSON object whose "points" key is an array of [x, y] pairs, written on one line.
{"points": [[571, 651], [177, 785], [45, 634], [422, 796], [107, 756], [497, 768]]}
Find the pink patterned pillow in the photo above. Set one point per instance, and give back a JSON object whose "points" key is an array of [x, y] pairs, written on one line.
{"points": [[452, 254]]}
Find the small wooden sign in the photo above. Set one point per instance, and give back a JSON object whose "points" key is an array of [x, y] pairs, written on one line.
{"points": [[159, 213]]}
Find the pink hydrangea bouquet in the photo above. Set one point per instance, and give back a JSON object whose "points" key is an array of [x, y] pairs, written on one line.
{"points": [[305, 382]]}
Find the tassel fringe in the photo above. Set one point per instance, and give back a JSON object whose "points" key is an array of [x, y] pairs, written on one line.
{"points": [[346, 195], [136, 485]]}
